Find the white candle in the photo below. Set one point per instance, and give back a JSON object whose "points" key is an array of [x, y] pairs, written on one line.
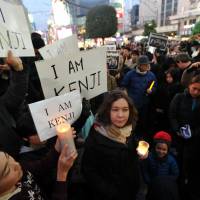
{"points": [[64, 132], [143, 148]]}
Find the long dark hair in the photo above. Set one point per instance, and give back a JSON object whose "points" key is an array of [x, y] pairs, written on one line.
{"points": [[103, 114]]}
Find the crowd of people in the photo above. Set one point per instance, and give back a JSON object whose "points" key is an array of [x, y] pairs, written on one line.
{"points": [[153, 97]]}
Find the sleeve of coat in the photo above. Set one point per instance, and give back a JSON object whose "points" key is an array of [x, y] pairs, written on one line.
{"points": [[60, 191], [126, 80], [173, 109], [16, 91], [174, 169], [144, 165]]}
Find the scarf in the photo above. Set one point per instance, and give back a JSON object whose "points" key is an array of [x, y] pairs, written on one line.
{"points": [[141, 73], [114, 133]]}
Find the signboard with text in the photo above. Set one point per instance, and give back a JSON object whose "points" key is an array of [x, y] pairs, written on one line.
{"points": [[158, 41], [52, 112], [14, 31], [84, 71], [112, 59], [60, 47]]}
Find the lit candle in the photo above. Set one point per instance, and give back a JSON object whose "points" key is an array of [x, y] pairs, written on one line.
{"points": [[64, 132], [142, 148]]}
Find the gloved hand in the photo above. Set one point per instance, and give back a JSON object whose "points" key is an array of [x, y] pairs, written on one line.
{"points": [[185, 131]]}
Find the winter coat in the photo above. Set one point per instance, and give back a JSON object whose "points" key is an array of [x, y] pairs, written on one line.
{"points": [[10, 142], [110, 168], [137, 85], [154, 167], [181, 113]]}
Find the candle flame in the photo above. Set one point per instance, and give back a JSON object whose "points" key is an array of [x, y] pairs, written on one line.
{"points": [[143, 147], [62, 128]]}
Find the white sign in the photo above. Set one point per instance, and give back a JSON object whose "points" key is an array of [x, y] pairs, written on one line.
{"points": [[60, 47], [84, 71], [51, 112], [111, 47], [14, 31]]}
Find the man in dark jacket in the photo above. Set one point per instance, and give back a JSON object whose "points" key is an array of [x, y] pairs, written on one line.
{"points": [[141, 84], [10, 142]]}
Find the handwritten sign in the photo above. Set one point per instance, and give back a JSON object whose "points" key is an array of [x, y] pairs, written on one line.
{"points": [[14, 31], [60, 47], [157, 40], [84, 71], [51, 112]]}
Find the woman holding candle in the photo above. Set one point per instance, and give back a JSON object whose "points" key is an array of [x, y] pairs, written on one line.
{"points": [[110, 160], [24, 181]]}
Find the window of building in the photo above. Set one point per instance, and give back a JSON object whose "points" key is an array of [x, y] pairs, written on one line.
{"points": [[169, 1], [167, 22], [175, 6], [162, 22], [192, 21], [163, 6]]}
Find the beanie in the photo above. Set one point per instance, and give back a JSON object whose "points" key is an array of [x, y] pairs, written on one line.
{"points": [[162, 137]]}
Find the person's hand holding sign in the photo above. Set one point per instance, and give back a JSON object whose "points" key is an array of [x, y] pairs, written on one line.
{"points": [[14, 62]]}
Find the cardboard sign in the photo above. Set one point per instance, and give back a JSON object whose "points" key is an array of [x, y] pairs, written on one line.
{"points": [[158, 41], [51, 112], [60, 47], [14, 31], [84, 71]]}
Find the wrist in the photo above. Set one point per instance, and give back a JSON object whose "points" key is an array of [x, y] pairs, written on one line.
{"points": [[18, 67], [62, 176]]}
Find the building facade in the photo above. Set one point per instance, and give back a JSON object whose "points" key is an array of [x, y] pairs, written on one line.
{"points": [[134, 15], [148, 10], [188, 14]]}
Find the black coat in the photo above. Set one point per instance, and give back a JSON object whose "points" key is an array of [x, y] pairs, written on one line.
{"points": [[9, 103], [181, 113], [110, 168]]}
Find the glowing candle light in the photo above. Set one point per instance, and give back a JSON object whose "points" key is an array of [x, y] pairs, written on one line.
{"points": [[143, 148], [64, 132]]}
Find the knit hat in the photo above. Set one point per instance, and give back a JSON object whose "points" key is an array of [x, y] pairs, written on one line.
{"points": [[162, 137], [143, 60]]}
